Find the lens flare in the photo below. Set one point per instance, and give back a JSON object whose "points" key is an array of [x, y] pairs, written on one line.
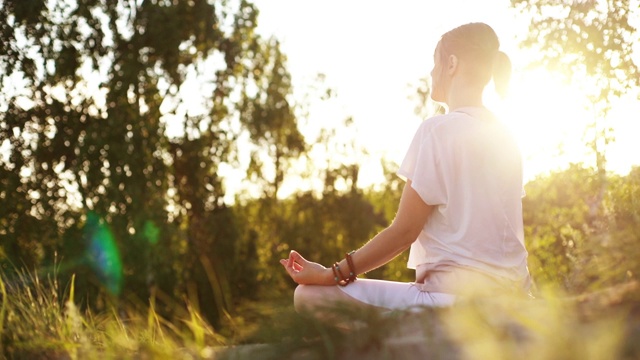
{"points": [[103, 255]]}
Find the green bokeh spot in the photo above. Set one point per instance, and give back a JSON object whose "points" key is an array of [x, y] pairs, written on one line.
{"points": [[151, 232]]}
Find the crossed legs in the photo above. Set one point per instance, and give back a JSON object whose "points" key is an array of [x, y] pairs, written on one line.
{"points": [[367, 294], [310, 297]]}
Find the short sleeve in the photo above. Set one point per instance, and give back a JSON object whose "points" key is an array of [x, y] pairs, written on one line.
{"points": [[423, 166], [408, 165]]}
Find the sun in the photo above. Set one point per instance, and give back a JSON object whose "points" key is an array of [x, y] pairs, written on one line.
{"points": [[548, 118]]}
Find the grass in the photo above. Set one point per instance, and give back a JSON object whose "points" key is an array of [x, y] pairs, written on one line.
{"points": [[39, 320], [602, 325], [36, 322]]}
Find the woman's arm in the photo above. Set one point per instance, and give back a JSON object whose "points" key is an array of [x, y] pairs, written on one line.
{"points": [[412, 214]]}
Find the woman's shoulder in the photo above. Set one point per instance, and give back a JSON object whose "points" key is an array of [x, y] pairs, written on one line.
{"points": [[444, 122]]}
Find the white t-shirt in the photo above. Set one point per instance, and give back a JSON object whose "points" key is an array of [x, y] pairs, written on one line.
{"points": [[467, 165]]}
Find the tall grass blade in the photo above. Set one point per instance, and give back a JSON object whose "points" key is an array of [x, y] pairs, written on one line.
{"points": [[3, 309]]}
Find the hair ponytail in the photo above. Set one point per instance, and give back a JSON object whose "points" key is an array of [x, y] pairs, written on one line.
{"points": [[501, 73], [479, 44]]}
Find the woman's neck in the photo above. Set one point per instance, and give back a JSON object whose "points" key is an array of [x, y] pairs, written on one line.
{"points": [[461, 94]]}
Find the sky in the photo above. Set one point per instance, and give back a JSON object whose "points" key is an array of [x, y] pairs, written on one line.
{"points": [[371, 52]]}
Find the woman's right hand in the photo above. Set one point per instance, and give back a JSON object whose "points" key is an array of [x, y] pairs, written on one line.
{"points": [[305, 272]]}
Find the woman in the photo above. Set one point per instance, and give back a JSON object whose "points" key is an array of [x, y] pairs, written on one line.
{"points": [[460, 212]]}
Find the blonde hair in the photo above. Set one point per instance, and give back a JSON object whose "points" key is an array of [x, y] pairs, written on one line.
{"points": [[478, 44]]}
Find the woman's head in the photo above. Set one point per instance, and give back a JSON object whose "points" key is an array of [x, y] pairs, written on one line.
{"points": [[475, 46]]}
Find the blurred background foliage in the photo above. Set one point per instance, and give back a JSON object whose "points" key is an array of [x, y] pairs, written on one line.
{"points": [[95, 184]]}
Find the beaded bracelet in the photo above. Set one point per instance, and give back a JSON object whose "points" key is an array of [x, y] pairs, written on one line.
{"points": [[336, 272]]}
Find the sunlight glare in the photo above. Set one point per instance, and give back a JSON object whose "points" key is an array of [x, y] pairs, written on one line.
{"points": [[548, 119]]}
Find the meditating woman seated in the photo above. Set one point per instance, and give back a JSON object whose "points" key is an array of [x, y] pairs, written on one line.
{"points": [[461, 209]]}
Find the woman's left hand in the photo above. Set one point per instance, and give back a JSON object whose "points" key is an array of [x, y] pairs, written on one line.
{"points": [[305, 272]]}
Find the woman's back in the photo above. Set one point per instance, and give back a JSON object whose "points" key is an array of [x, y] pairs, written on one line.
{"points": [[468, 166]]}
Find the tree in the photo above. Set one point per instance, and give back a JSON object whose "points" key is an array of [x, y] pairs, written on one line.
{"points": [[271, 120], [557, 223], [89, 90], [565, 245], [592, 43]]}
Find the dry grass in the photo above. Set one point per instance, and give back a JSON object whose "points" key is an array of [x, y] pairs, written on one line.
{"points": [[38, 320]]}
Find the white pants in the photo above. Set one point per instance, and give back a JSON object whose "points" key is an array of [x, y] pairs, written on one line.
{"points": [[395, 295]]}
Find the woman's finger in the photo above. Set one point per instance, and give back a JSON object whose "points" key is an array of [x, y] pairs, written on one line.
{"points": [[290, 259], [295, 264], [289, 270], [293, 271], [295, 256]]}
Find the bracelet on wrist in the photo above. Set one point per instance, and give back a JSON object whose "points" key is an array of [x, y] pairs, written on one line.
{"points": [[338, 277]]}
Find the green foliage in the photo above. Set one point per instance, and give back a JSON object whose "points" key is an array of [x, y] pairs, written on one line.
{"points": [[556, 214], [617, 257], [571, 243], [593, 39], [88, 89], [270, 119], [576, 230], [322, 229], [592, 44], [97, 185]]}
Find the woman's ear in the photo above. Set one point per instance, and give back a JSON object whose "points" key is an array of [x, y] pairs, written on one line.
{"points": [[452, 64]]}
